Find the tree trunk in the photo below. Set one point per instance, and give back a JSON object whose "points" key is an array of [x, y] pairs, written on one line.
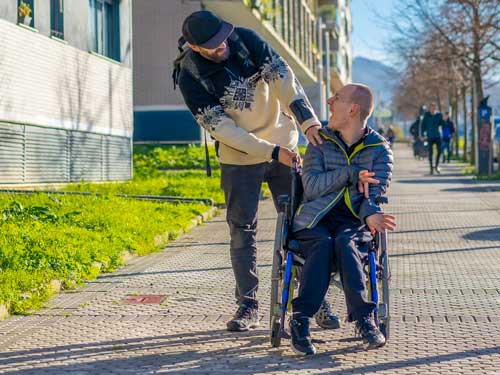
{"points": [[464, 108], [455, 120], [476, 68], [473, 103]]}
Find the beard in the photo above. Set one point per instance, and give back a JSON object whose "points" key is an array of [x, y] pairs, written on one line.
{"points": [[217, 56]]}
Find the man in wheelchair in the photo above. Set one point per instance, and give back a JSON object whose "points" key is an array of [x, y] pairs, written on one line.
{"points": [[339, 213]]}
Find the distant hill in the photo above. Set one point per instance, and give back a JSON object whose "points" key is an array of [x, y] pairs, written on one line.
{"points": [[380, 77]]}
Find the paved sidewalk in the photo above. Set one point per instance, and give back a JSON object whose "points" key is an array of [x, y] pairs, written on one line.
{"points": [[445, 291]]}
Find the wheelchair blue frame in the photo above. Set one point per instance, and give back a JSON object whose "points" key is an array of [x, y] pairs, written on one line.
{"points": [[282, 272]]}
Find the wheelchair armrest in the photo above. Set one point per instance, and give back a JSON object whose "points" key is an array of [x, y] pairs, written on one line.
{"points": [[382, 199], [283, 202]]}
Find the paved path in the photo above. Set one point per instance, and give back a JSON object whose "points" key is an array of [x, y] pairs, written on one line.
{"points": [[445, 260]]}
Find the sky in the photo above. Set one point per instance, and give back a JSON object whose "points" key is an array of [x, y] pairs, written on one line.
{"points": [[369, 33]]}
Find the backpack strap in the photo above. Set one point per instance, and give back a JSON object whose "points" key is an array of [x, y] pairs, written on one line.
{"points": [[185, 62], [243, 52]]}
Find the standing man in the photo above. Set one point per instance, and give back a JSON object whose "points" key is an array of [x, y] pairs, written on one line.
{"points": [[249, 100], [448, 132], [432, 124]]}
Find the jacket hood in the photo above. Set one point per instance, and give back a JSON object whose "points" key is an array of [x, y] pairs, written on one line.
{"points": [[370, 138]]}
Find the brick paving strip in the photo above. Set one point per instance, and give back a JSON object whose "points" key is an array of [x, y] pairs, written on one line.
{"points": [[445, 259]]}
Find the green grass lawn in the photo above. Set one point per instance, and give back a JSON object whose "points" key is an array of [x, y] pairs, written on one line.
{"points": [[73, 238]]}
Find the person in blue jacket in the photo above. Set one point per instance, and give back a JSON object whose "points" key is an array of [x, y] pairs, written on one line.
{"points": [[432, 124], [334, 224]]}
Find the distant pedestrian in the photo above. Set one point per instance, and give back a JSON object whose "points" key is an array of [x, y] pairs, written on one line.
{"points": [[448, 133], [415, 128], [432, 125], [390, 135]]}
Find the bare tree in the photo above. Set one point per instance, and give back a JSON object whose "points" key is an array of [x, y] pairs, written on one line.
{"points": [[458, 39]]}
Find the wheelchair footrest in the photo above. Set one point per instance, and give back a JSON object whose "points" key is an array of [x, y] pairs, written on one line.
{"points": [[382, 311]]}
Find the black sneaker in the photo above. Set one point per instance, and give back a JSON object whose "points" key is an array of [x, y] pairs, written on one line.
{"points": [[301, 340], [370, 333], [245, 318], [325, 318]]}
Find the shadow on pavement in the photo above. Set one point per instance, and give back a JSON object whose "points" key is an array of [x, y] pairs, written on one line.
{"points": [[145, 273], [484, 235], [473, 189], [205, 356], [434, 180], [443, 251], [439, 229]]}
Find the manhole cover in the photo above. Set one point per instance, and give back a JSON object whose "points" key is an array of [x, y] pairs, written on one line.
{"points": [[138, 300]]}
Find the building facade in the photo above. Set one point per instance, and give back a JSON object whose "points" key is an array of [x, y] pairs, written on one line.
{"points": [[337, 21], [66, 110], [294, 28]]}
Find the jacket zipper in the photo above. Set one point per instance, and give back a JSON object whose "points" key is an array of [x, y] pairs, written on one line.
{"points": [[326, 208], [345, 191]]}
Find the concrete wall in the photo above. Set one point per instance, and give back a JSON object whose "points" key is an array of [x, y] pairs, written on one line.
{"points": [[345, 40], [8, 10], [157, 27], [54, 94], [52, 84], [126, 32], [76, 23]]}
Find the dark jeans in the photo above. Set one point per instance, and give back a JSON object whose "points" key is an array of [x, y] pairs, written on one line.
{"points": [[447, 146], [242, 185], [345, 243], [431, 142]]}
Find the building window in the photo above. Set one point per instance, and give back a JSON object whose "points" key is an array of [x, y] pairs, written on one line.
{"points": [[105, 28], [57, 18], [26, 12]]}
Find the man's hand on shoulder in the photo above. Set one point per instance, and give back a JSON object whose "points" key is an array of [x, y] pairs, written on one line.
{"points": [[313, 135], [379, 222]]}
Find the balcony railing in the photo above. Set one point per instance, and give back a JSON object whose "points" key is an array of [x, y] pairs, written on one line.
{"points": [[294, 22]]}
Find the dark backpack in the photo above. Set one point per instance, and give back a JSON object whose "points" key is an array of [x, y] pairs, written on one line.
{"points": [[184, 62]]}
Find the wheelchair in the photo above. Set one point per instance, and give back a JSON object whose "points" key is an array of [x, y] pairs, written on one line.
{"points": [[287, 260]]}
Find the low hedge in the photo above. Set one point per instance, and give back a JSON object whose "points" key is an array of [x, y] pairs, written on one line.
{"points": [[190, 184]]}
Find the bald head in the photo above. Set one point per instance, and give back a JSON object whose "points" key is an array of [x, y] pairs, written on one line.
{"points": [[362, 95]]}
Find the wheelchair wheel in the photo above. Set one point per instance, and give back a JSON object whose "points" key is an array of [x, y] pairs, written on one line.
{"points": [[384, 305], [275, 332], [384, 328], [276, 280]]}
